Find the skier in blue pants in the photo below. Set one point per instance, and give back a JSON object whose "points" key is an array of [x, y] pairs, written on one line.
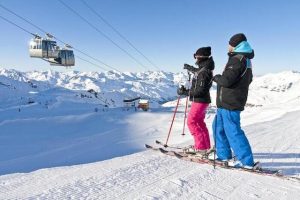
{"points": [[232, 93]]}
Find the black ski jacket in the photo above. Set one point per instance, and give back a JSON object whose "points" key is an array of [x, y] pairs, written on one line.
{"points": [[233, 85], [202, 81]]}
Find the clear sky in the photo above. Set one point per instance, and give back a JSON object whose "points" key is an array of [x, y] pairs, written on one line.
{"points": [[168, 32]]}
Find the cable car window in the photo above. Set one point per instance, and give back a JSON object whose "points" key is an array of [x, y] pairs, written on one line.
{"points": [[39, 44], [53, 46]]}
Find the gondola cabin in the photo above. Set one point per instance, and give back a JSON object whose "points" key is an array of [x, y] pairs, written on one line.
{"points": [[65, 58], [43, 48], [144, 104]]}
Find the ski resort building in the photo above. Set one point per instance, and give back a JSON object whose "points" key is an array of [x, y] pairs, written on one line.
{"points": [[130, 103], [144, 104]]}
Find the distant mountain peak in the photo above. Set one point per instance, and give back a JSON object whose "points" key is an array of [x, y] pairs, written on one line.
{"points": [[158, 86]]}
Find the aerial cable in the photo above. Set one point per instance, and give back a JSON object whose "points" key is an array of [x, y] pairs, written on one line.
{"points": [[96, 59], [10, 11], [7, 20], [118, 32], [103, 34], [91, 63], [48, 34]]}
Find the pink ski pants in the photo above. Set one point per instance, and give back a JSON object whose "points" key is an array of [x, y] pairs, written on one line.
{"points": [[197, 125]]}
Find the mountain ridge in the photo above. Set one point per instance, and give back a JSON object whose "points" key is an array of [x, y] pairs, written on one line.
{"points": [[113, 86]]}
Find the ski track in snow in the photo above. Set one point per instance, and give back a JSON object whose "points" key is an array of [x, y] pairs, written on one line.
{"points": [[151, 175], [146, 175]]}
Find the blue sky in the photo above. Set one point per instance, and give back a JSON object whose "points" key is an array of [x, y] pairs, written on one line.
{"points": [[167, 32]]}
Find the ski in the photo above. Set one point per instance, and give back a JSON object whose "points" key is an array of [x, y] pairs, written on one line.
{"points": [[256, 169], [180, 151], [162, 150], [151, 147], [193, 158], [183, 149], [167, 146], [171, 153]]}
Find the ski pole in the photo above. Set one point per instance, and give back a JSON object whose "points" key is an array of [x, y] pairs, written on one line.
{"points": [[186, 104], [166, 144], [214, 135], [185, 111]]}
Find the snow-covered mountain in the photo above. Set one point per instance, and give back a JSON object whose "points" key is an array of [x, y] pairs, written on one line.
{"points": [[111, 88], [107, 88], [275, 88]]}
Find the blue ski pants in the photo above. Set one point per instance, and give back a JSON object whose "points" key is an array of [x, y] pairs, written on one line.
{"points": [[229, 135]]}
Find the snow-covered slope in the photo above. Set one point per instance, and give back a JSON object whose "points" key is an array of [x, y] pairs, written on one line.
{"points": [[282, 87], [57, 125], [273, 95], [151, 175]]}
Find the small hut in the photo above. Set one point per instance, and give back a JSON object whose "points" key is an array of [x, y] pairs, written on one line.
{"points": [[144, 104]]}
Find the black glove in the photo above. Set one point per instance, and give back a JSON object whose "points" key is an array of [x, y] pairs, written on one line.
{"points": [[188, 67], [182, 91], [216, 78]]}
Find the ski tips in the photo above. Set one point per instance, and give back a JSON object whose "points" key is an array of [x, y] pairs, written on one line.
{"points": [[162, 150], [159, 142]]}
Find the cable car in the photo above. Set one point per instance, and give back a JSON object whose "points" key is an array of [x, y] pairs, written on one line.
{"points": [[43, 48], [65, 58]]}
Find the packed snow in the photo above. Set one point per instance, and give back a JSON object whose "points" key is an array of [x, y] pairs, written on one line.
{"points": [[68, 136]]}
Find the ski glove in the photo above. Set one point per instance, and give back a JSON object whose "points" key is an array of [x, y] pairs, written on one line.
{"points": [[188, 67], [182, 91], [216, 78]]}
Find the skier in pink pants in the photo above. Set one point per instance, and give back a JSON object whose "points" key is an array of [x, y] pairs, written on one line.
{"points": [[200, 97]]}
